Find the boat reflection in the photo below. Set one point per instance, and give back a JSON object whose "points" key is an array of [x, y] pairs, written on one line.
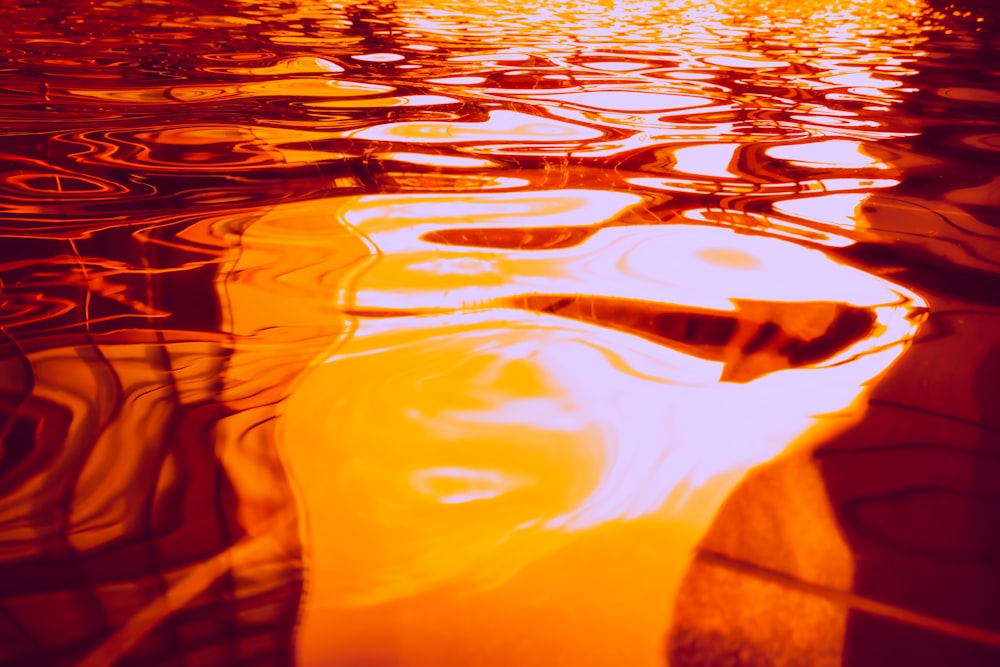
{"points": [[507, 447]]}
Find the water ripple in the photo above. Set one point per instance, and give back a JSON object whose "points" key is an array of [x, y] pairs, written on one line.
{"points": [[373, 329]]}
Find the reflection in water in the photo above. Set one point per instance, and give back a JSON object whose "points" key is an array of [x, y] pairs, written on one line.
{"points": [[472, 429], [428, 333]]}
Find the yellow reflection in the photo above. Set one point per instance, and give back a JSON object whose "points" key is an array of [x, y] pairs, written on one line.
{"points": [[298, 87], [825, 52], [607, 18], [506, 453], [501, 126], [298, 65], [513, 417], [673, 264]]}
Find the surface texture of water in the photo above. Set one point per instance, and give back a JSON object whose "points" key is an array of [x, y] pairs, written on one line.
{"points": [[433, 333]]}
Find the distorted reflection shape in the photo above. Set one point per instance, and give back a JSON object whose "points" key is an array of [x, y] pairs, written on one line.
{"points": [[710, 53], [379, 57], [203, 148], [744, 62], [707, 160], [771, 225], [297, 65], [846, 28], [385, 102], [490, 57], [297, 87], [668, 264], [839, 209], [867, 80], [827, 153], [620, 100], [459, 80], [447, 461], [616, 65], [149, 524], [434, 160], [501, 126], [210, 21]]}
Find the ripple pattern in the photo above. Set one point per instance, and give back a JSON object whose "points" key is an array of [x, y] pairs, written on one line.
{"points": [[415, 333]]}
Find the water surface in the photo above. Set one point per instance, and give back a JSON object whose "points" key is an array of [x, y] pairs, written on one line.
{"points": [[521, 333]]}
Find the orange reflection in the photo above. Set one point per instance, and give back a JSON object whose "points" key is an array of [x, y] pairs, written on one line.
{"points": [[502, 126], [297, 65], [839, 209], [509, 416], [298, 87], [510, 455], [430, 160], [513, 416], [815, 66]]}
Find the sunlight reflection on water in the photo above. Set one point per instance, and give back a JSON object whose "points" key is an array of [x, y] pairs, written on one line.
{"points": [[435, 333]]}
